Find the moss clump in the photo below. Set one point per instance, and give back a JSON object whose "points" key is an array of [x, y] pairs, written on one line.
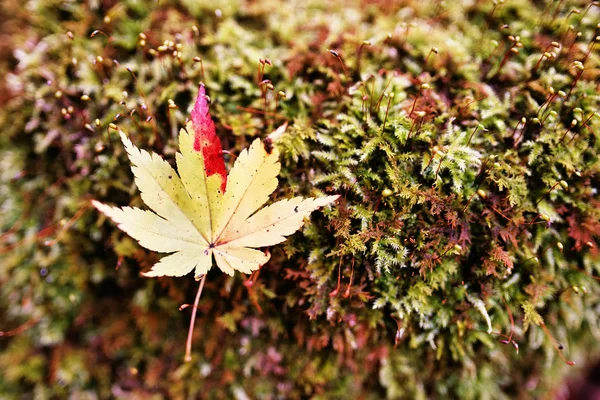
{"points": [[462, 139]]}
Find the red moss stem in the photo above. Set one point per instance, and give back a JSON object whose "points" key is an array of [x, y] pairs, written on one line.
{"points": [[414, 103], [557, 346], [20, 328], [347, 292], [339, 281]]}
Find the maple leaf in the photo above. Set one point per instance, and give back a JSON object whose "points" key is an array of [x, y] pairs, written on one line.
{"points": [[199, 212]]}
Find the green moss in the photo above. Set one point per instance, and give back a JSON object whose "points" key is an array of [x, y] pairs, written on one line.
{"points": [[468, 217]]}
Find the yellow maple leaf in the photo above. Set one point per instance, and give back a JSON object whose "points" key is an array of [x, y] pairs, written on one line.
{"points": [[200, 213], [196, 221]]}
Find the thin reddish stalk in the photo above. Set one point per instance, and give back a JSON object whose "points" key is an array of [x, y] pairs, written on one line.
{"points": [[188, 343], [557, 346], [20, 328], [339, 281]]}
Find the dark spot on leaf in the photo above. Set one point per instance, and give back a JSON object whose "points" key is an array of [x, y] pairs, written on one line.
{"points": [[296, 209]]}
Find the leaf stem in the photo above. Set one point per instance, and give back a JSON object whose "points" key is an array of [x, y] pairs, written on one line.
{"points": [[188, 343]]}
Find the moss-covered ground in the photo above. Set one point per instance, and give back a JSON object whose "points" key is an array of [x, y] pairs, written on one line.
{"points": [[460, 262]]}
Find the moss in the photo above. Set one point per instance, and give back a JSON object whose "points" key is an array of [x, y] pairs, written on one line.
{"points": [[468, 226]]}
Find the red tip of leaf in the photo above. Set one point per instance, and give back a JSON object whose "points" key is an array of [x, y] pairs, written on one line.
{"points": [[206, 139]]}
